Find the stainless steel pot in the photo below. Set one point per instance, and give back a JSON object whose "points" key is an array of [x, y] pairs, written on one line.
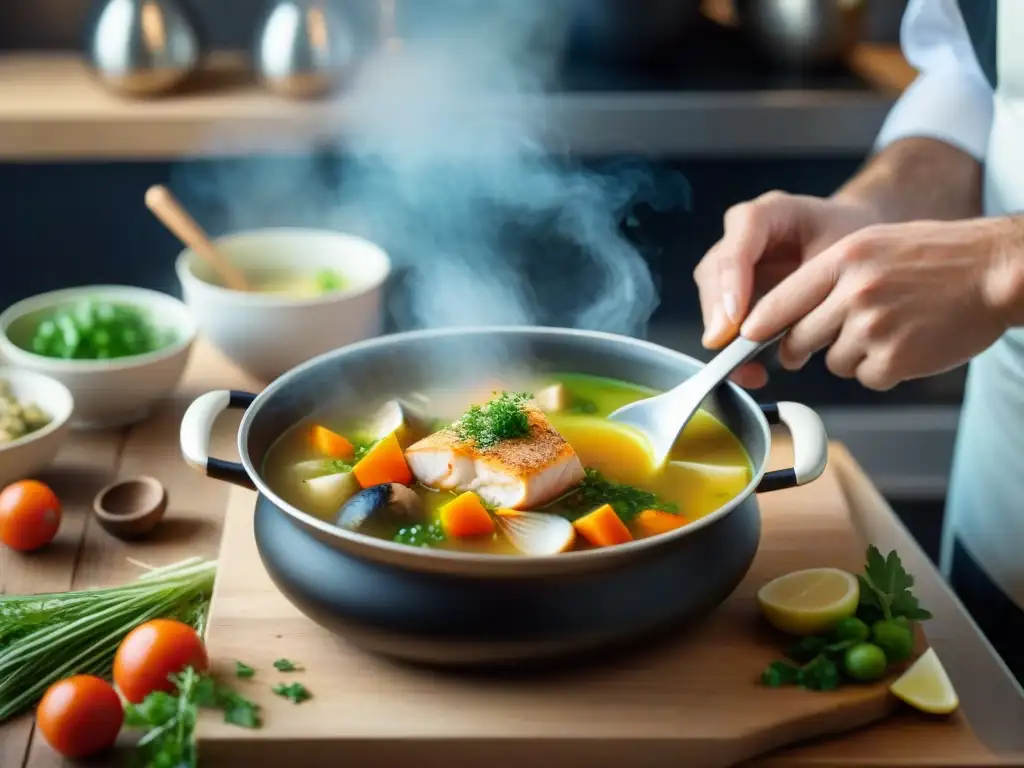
{"points": [[459, 608], [142, 47], [802, 33]]}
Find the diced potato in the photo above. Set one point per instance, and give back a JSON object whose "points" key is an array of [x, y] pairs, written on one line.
{"points": [[552, 399], [331, 490]]}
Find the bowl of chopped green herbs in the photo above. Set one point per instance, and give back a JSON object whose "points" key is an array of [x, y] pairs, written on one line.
{"points": [[118, 349], [312, 291]]}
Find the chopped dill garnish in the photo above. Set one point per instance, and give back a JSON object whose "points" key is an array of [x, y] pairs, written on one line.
{"points": [[626, 500], [502, 418]]}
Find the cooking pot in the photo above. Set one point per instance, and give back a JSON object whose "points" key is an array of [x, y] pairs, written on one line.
{"points": [[471, 609]]}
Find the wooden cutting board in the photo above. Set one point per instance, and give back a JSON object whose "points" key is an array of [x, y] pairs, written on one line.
{"points": [[689, 702]]}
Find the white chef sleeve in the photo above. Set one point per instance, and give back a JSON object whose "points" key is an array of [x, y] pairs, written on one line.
{"points": [[950, 100]]}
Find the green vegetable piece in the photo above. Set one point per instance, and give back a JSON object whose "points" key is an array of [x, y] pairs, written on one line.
{"points": [[807, 649], [421, 535], [894, 637], [627, 501], [778, 674], [822, 674], [865, 662], [243, 670], [155, 710], [296, 692], [852, 629], [284, 665], [502, 418], [328, 280]]}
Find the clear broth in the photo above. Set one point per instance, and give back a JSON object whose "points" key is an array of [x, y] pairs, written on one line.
{"points": [[714, 466]]}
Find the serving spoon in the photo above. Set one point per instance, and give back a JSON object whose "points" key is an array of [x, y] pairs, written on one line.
{"points": [[173, 215], [661, 418]]}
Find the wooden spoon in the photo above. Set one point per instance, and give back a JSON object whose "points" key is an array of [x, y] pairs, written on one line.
{"points": [[173, 216]]}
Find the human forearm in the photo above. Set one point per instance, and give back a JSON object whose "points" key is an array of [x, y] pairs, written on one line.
{"points": [[917, 178]]}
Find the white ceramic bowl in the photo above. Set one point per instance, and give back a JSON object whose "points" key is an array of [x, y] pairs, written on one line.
{"points": [[23, 457], [107, 393], [268, 334]]}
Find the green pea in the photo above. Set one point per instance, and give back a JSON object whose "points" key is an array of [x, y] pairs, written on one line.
{"points": [[852, 630], [865, 662], [895, 638]]}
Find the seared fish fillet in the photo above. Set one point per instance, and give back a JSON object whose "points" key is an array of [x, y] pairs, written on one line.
{"points": [[521, 473]]}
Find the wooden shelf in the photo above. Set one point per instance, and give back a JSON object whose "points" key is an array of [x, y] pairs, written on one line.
{"points": [[52, 109]]}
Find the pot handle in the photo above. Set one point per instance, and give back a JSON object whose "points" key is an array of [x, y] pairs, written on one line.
{"points": [[810, 446], [196, 425]]}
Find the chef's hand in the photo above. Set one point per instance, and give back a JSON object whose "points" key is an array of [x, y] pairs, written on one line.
{"points": [[898, 301], [765, 240]]}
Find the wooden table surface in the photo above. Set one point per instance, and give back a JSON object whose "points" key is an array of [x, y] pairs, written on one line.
{"points": [[84, 555]]}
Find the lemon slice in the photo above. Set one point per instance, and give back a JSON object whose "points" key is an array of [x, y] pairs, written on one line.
{"points": [[926, 686], [809, 602]]}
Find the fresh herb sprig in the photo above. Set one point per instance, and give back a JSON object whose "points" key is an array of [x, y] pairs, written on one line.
{"points": [[626, 500], [287, 665], [169, 720], [862, 647], [885, 590], [501, 418]]}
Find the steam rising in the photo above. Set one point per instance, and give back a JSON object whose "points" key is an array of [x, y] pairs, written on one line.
{"points": [[444, 167]]}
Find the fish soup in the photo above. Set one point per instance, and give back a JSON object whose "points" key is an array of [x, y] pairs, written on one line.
{"points": [[506, 473]]}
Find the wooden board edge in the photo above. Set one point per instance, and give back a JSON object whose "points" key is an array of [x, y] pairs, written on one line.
{"points": [[990, 698]]}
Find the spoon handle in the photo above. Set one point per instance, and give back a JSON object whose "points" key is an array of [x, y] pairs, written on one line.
{"points": [[738, 352]]}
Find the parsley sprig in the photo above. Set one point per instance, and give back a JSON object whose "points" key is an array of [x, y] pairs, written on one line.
{"points": [[170, 719], [296, 692], [885, 589]]}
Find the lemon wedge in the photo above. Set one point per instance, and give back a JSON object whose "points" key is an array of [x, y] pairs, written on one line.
{"points": [[926, 686], [809, 602]]}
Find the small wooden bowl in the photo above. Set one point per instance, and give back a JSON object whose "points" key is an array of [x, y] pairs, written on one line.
{"points": [[129, 509]]}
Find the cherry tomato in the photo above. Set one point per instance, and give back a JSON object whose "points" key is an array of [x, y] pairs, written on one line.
{"points": [[29, 515], [154, 651], [80, 716]]}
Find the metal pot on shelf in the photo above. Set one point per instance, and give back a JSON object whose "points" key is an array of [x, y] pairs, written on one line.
{"points": [[802, 33], [304, 48], [142, 47]]}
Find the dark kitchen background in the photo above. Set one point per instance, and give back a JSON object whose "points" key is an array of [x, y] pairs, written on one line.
{"points": [[714, 113]]}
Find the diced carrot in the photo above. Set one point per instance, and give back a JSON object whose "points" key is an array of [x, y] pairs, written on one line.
{"points": [[603, 528], [383, 463], [466, 516], [651, 522], [332, 444]]}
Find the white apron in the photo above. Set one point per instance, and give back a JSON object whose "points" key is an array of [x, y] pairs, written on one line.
{"points": [[985, 507]]}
